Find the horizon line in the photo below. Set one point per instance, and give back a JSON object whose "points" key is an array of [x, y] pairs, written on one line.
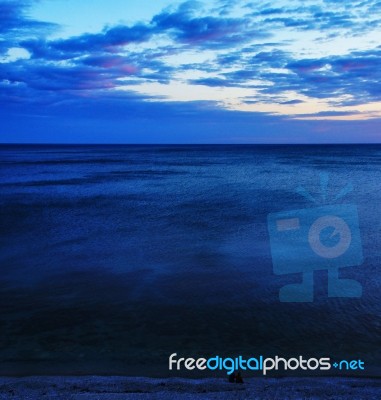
{"points": [[187, 144]]}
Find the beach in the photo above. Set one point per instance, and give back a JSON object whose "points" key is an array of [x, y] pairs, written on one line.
{"points": [[124, 388]]}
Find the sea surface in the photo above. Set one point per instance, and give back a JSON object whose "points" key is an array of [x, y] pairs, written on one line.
{"points": [[114, 257]]}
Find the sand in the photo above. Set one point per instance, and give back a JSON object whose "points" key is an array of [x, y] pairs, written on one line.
{"points": [[118, 388]]}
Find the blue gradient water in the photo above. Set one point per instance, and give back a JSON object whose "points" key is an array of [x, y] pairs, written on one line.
{"points": [[114, 255]]}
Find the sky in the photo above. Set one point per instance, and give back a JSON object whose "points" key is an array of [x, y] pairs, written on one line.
{"points": [[214, 71]]}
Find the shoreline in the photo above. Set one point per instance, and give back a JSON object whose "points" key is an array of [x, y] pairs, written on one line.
{"points": [[118, 387]]}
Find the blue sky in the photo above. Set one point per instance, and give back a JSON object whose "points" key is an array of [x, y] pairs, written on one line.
{"points": [[215, 71]]}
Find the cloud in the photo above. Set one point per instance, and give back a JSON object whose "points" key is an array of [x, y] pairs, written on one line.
{"points": [[333, 15], [127, 118], [292, 102], [182, 25], [13, 18], [99, 61], [332, 113], [96, 65], [212, 82], [357, 74], [271, 11], [110, 41], [15, 24], [185, 26], [139, 120], [254, 67]]}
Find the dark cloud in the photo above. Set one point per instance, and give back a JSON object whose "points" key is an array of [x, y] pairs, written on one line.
{"points": [[86, 74], [56, 78], [332, 114], [81, 71], [110, 40], [346, 18], [275, 58], [254, 54], [357, 74], [14, 18], [292, 102], [225, 7], [306, 65], [135, 64], [271, 11], [185, 26], [212, 82], [15, 24], [247, 67]]}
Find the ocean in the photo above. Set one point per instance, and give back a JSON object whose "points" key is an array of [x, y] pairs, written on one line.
{"points": [[114, 257]]}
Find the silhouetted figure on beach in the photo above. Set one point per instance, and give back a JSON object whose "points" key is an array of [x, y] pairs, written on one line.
{"points": [[238, 378], [235, 377]]}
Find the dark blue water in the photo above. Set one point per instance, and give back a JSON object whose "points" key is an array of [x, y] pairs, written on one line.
{"points": [[122, 255]]}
